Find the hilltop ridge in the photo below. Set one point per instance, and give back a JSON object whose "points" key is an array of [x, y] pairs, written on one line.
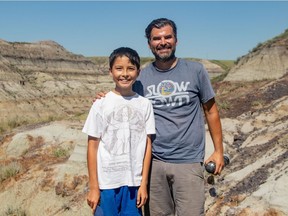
{"points": [[268, 60]]}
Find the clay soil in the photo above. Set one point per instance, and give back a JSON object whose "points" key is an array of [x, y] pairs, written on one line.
{"points": [[236, 98]]}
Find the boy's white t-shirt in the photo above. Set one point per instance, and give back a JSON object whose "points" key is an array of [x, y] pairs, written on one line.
{"points": [[122, 124]]}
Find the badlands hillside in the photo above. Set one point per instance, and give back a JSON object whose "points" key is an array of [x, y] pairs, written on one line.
{"points": [[43, 82], [46, 93], [268, 60]]}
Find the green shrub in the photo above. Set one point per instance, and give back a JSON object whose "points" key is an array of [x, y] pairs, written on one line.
{"points": [[60, 152], [223, 105]]}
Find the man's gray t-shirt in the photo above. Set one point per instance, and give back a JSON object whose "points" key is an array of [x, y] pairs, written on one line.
{"points": [[176, 96]]}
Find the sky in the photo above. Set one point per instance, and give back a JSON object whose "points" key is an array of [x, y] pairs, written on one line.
{"points": [[222, 30]]}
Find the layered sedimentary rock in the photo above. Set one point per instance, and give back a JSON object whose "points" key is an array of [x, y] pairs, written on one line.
{"points": [[43, 81], [266, 61]]}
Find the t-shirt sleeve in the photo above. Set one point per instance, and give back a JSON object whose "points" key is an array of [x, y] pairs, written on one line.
{"points": [[150, 120], [94, 123]]}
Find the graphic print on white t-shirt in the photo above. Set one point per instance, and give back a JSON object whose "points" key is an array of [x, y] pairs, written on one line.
{"points": [[122, 124], [125, 127]]}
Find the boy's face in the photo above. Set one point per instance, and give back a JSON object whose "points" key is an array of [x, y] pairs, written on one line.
{"points": [[124, 74]]}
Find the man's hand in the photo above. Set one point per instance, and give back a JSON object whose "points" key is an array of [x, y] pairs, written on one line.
{"points": [[218, 159], [99, 95]]}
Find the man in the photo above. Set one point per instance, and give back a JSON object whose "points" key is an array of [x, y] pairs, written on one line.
{"points": [[179, 91]]}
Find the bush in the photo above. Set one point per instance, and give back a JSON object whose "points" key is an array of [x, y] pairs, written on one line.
{"points": [[60, 152], [10, 170], [15, 212]]}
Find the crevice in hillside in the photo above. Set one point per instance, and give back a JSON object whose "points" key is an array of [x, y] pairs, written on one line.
{"points": [[253, 181]]}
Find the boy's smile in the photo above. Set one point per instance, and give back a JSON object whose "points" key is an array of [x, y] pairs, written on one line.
{"points": [[124, 74]]}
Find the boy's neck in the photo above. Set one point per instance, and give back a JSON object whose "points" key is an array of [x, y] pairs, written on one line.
{"points": [[124, 92]]}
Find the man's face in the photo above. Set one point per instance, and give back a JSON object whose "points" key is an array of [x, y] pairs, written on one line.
{"points": [[163, 43]]}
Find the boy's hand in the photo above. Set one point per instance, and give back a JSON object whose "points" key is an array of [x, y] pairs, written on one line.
{"points": [[93, 198], [99, 95], [142, 196]]}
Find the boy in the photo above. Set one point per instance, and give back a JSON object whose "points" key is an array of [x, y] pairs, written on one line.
{"points": [[119, 128]]}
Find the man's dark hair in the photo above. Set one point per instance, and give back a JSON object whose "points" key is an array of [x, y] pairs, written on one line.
{"points": [[159, 23], [131, 54]]}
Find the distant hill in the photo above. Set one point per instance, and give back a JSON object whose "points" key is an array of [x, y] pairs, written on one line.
{"points": [[46, 82], [214, 67], [268, 60]]}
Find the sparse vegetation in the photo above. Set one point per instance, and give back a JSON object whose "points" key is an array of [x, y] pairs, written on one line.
{"points": [[60, 152], [66, 207], [79, 116], [100, 60], [219, 78], [17, 122], [103, 61], [223, 105], [282, 36], [9, 170], [268, 43], [15, 212], [258, 47], [225, 64], [237, 60], [257, 103], [193, 59], [13, 123]]}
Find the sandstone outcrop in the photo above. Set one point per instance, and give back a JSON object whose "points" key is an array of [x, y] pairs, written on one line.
{"points": [[266, 61], [43, 81], [255, 138]]}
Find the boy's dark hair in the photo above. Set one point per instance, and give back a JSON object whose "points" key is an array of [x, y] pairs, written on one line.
{"points": [[131, 54], [159, 23]]}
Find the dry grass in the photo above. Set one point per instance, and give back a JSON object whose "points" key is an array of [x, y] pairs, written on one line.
{"points": [[10, 170]]}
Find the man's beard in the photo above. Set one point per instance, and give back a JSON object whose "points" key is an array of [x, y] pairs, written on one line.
{"points": [[165, 58]]}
